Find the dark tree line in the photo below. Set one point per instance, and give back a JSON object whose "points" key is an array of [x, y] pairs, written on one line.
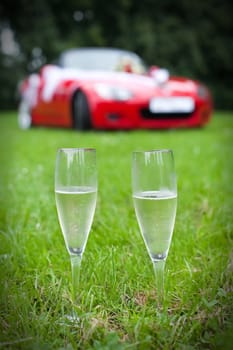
{"points": [[192, 38]]}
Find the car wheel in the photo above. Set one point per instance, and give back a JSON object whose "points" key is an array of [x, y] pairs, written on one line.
{"points": [[24, 116], [81, 112]]}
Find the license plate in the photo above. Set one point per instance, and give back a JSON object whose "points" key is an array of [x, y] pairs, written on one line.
{"points": [[172, 105]]}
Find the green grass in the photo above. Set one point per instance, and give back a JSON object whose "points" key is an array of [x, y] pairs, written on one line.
{"points": [[117, 299]]}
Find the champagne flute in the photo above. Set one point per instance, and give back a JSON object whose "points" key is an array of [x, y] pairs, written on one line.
{"points": [[155, 200], [76, 195]]}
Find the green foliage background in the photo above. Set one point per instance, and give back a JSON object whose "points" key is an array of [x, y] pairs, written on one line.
{"points": [[189, 38]]}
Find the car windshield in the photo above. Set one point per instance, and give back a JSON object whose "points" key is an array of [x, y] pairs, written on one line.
{"points": [[101, 59]]}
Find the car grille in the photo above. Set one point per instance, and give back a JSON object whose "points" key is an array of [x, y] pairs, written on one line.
{"points": [[147, 114]]}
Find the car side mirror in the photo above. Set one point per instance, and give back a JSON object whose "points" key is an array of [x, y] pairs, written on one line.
{"points": [[160, 75]]}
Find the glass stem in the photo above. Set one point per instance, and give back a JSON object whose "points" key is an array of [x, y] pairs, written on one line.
{"points": [[159, 266], [75, 269]]}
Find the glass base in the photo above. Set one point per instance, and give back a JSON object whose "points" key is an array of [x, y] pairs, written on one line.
{"points": [[69, 319], [72, 318]]}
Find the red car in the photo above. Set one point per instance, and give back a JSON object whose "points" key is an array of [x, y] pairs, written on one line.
{"points": [[104, 88]]}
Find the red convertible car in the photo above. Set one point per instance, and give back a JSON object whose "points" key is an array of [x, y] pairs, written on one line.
{"points": [[105, 88]]}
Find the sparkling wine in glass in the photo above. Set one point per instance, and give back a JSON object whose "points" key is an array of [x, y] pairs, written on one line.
{"points": [[76, 195], [155, 200]]}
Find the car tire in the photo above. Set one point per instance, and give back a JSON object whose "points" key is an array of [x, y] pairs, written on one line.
{"points": [[81, 112], [24, 116]]}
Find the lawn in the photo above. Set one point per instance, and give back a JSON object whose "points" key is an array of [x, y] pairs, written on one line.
{"points": [[117, 300]]}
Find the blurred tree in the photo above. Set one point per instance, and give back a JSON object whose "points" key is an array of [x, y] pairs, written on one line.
{"points": [[34, 33], [189, 38]]}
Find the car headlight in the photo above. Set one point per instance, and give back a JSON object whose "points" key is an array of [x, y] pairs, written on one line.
{"points": [[109, 92]]}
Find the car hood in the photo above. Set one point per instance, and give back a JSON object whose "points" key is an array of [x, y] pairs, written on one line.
{"points": [[55, 75], [137, 81]]}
